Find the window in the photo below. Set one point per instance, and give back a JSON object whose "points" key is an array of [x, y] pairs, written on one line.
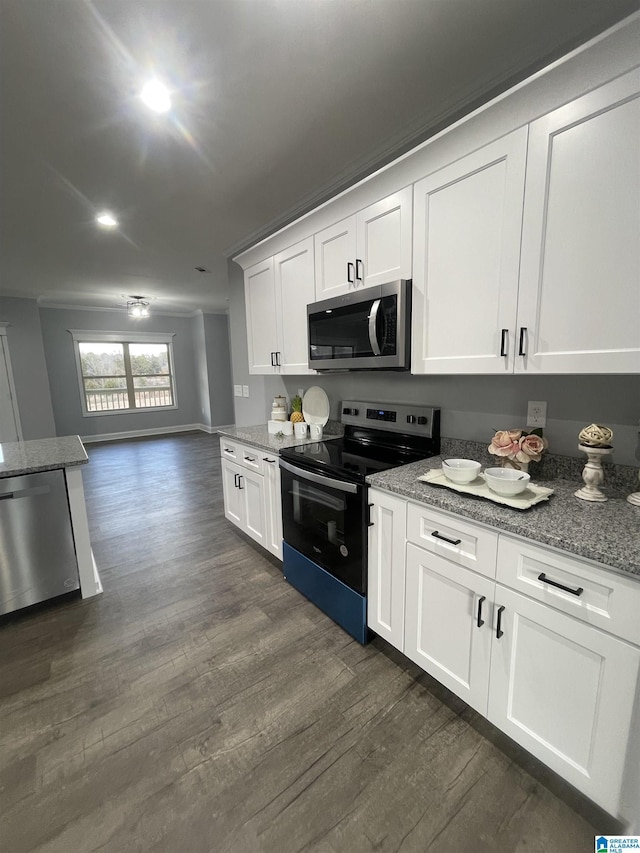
{"points": [[120, 373]]}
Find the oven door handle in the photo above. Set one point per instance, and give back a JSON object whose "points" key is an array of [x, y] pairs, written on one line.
{"points": [[339, 485], [373, 321]]}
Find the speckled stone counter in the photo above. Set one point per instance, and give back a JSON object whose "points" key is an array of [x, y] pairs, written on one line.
{"points": [[259, 436], [44, 454], [608, 533]]}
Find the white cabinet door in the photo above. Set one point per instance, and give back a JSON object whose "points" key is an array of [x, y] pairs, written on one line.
{"points": [[251, 487], [579, 304], [565, 691], [335, 256], [386, 584], [295, 289], [384, 236], [273, 505], [232, 495], [448, 624], [262, 331], [466, 254]]}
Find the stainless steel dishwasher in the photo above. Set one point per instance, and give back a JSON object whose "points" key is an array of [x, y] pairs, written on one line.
{"points": [[37, 552]]}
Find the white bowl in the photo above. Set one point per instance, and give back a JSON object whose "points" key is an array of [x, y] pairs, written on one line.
{"points": [[506, 481], [460, 470]]}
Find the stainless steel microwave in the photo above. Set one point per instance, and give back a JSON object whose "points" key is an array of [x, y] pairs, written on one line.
{"points": [[368, 329]]}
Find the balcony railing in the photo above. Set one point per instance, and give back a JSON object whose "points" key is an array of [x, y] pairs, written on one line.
{"points": [[109, 399]]}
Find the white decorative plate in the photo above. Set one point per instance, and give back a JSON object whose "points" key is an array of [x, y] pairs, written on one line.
{"points": [[315, 406], [532, 494]]}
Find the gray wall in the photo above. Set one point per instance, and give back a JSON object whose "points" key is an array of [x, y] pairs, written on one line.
{"points": [[202, 373], [218, 361], [472, 406], [65, 392], [30, 377]]}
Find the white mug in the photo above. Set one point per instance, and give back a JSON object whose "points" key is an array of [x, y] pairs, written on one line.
{"points": [[315, 431], [300, 429]]}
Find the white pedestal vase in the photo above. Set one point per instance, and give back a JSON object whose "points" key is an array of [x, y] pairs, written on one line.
{"points": [[592, 473]]}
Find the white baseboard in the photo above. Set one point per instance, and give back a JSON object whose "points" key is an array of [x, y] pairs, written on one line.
{"points": [[139, 433]]}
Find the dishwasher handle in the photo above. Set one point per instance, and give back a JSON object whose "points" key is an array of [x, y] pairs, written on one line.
{"points": [[25, 493]]}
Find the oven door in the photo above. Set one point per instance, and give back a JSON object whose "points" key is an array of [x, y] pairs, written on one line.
{"points": [[323, 518]]}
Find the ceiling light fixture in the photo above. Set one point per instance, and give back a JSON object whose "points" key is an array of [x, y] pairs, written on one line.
{"points": [[156, 96], [106, 219], [137, 307]]}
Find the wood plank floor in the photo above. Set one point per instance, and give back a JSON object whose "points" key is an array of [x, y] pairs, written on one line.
{"points": [[202, 704]]}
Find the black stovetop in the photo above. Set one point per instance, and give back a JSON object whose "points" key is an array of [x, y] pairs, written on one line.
{"points": [[360, 453]]}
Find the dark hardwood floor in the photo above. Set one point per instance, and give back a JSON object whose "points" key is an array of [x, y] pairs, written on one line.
{"points": [[202, 704]]}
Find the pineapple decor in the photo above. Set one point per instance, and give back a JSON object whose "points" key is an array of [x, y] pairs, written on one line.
{"points": [[296, 415]]}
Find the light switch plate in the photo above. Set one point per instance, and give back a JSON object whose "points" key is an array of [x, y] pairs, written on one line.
{"points": [[245, 390], [237, 390], [537, 413]]}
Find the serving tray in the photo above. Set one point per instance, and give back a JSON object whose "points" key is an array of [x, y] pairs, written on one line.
{"points": [[532, 494]]}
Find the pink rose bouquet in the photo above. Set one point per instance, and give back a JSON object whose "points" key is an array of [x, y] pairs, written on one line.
{"points": [[518, 445]]}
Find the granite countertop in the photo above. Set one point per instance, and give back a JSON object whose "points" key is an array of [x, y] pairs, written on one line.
{"points": [[608, 533], [43, 454], [259, 436]]}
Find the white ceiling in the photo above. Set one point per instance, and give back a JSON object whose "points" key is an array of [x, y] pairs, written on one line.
{"points": [[277, 104]]}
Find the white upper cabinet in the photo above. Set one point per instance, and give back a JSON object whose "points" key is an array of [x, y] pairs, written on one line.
{"points": [[277, 292], [260, 300], [579, 304], [295, 289], [384, 237], [372, 247], [467, 229], [335, 250]]}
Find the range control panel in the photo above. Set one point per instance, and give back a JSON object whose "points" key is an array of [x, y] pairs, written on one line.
{"points": [[399, 417]]}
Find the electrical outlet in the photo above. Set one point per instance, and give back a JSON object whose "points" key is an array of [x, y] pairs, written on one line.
{"points": [[245, 390], [237, 390], [537, 413]]}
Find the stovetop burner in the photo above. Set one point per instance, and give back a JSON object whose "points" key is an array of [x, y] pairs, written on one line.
{"points": [[376, 438]]}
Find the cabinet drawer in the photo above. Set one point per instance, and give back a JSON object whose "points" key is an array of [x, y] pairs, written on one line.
{"points": [[229, 449], [251, 458], [453, 539], [601, 598]]}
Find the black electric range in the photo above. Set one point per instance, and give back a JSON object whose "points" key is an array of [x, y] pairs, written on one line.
{"points": [[325, 507]]}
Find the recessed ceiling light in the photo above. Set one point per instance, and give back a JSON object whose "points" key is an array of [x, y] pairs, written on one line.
{"points": [[156, 96], [106, 219]]}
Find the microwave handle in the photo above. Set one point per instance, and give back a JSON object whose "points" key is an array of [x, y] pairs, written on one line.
{"points": [[373, 320], [338, 485]]}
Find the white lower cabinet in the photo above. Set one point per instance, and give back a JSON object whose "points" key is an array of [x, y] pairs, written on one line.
{"points": [[565, 691], [386, 593], [448, 624], [251, 490], [538, 665], [273, 505], [244, 500]]}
